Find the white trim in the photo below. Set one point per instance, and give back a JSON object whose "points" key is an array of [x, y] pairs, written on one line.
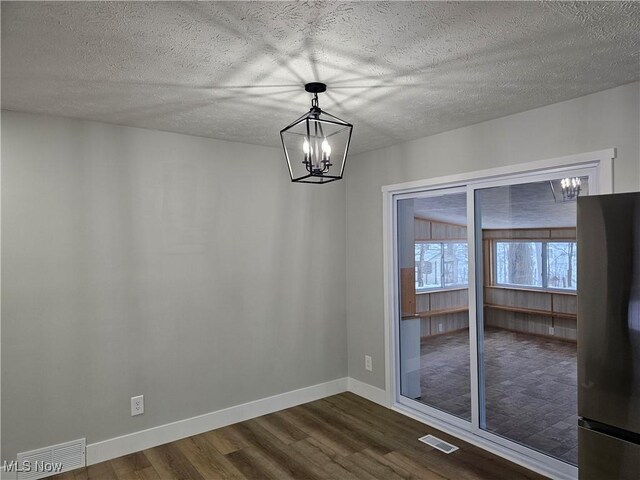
{"points": [[134, 442], [599, 166], [137, 441], [475, 281], [602, 157], [364, 390], [389, 298]]}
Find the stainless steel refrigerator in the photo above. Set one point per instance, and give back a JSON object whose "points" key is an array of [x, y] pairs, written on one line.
{"points": [[609, 337]]}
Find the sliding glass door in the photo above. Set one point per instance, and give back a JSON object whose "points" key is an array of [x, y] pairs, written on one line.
{"points": [[527, 311], [485, 319], [433, 259]]}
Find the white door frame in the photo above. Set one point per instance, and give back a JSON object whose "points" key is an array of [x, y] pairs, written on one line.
{"points": [[599, 166]]}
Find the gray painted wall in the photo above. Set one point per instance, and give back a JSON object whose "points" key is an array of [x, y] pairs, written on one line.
{"points": [[134, 261], [606, 119], [126, 255]]}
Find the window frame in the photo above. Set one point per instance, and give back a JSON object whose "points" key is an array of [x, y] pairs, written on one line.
{"points": [[441, 287], [545, 265]]}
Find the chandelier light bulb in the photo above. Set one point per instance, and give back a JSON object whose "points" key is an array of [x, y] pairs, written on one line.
{"points": [[326, 150], [570, 188]]}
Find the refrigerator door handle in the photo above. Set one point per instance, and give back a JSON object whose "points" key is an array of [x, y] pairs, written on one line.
{"points": [[626, 435]]}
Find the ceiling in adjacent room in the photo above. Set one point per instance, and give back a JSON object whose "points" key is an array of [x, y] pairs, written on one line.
{"points": [[525, 205], [236, 70]]}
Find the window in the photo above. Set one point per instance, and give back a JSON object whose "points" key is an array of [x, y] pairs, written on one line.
{"points": [[441, 265], [562, 265], [519, 263], [541, 264]]}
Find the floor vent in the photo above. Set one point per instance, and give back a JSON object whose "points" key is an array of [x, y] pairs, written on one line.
{"points": [[52, 460], [435, 442]]}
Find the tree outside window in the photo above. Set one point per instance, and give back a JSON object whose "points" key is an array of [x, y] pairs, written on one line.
{"points": [[441, 265], [541, 264]]}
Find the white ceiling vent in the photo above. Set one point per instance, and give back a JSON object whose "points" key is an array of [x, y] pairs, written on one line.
{"points": [[438, 444], [52, 460]]}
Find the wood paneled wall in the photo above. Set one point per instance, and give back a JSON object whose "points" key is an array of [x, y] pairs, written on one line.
{"points": [[441, 311], [529, 311], [430, 230]]}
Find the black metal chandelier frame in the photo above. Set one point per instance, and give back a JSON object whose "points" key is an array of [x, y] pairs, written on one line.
{"points": [[316, 172]]}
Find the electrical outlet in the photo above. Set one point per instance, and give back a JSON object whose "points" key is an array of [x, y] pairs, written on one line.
{"points": [[440, 328], [368, 364], [137, 405], [552, 330]]}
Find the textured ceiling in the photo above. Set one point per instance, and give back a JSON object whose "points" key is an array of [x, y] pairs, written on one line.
{"points": [[526, 205], [235, 70]]}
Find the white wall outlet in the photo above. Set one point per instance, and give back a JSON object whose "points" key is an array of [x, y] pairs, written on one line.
{"points": [[368, 364], [552, 330], [137, 405], [440, 328]]}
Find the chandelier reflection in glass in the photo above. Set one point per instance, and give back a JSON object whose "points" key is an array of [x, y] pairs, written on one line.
{"points": [[570, 188], [317, 143]]}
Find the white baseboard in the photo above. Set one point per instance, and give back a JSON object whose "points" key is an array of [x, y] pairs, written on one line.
{"points": [[375, 394], [152, 437]]}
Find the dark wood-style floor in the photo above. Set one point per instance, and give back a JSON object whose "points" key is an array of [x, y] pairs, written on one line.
{"points": [[340, 437]]}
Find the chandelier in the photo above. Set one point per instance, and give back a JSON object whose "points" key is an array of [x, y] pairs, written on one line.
{"points": [[570, 188], [316, 144]]}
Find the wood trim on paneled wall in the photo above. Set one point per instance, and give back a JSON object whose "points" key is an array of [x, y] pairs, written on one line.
{"points": [[419, 217], [551, 233], [531, 311], [408, 289]]}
